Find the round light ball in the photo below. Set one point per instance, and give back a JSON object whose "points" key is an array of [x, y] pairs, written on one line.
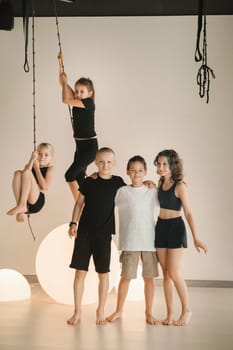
{"points": [[13, 286], [56, 277]]}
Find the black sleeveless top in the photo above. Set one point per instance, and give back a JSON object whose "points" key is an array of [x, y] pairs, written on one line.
{"points": [[84, 119], [42, 170], [168, 199]]}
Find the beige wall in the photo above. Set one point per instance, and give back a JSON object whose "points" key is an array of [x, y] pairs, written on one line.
{"points": [[146, 100]]}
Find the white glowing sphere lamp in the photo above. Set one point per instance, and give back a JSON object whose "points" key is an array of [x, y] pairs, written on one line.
{"points": [[56, 277], [13, 286]]}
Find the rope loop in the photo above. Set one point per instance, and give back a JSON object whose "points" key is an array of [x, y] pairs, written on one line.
{"points": [[204, 72]]}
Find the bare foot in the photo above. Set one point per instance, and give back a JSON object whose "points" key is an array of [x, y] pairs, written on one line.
{"points": [[184, 319], [100, 320], [20, 217], [168, 320], [74, 319], [17, 210], [150, 319], [115, 316]]}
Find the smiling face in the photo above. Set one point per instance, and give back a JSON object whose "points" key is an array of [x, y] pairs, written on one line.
{"points": [[105, 161], [136, 172], [163, 168], [44, 156], [82, 92]]}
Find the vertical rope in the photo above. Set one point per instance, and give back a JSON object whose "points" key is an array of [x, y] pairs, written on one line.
{"points": [[58, 32], [33, 96], [33, 75], [204, 72], [60, 51]]}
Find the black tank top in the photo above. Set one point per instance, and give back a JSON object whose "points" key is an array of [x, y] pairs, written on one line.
{"points": [[168, 199], [42, 170]]}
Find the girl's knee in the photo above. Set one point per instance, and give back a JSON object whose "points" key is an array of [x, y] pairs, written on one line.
{"points": [[17, 173], [174, 274]]}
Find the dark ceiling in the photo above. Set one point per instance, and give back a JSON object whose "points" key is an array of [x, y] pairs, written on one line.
{"points": [[75, 8]]}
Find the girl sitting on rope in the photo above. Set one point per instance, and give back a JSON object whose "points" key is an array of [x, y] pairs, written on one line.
{"points": [[30, 183], [83, 121]]}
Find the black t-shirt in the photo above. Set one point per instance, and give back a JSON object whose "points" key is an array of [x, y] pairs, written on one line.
{"points": [[98, 213], [84, 119]]}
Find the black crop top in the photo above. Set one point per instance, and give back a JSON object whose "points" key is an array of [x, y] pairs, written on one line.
{"points": [[84, 119], [168, 199]]}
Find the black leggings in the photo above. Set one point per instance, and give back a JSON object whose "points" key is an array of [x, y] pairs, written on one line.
{"points": [[84, 155]]}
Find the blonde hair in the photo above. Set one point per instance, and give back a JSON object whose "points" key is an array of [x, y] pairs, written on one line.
{"points": [[46, 145], [104, 150]]}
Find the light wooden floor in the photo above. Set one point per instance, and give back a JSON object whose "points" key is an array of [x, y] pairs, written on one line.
{"points": [[40, 324]]}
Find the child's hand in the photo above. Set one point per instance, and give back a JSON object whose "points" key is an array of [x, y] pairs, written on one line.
{"points": [[149, 184], [94, 176], [72, 231], [199, 245], [60, 58], [34, 155]]}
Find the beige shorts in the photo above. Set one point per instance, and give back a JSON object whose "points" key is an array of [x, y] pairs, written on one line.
{"points": [[130, 260]]}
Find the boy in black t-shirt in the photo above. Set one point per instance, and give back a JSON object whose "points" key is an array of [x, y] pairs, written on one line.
{"points": [[94, 210]]}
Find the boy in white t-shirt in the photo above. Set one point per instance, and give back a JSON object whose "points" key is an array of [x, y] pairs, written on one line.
{"points": [[136, 205]]}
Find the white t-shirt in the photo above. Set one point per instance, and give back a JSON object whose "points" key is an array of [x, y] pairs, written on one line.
{"points": [[137, 207]]}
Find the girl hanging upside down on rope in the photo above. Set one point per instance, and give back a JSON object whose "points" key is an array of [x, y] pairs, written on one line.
{"points": [[83, 121], [30, 183]]}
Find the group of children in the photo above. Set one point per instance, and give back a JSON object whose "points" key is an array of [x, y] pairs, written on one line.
{"points": [[93, 221]]}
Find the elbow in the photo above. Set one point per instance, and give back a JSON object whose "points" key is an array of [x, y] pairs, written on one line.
{"points": [[65, 100]]}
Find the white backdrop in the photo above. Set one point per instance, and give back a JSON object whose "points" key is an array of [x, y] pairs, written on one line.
{"points": [[146, 100]]}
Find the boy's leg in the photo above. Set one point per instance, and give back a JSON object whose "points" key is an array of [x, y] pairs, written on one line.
{"points": [[149, 272], [101, 247], [129, 261], [149, 296], [78, 288], [122, 292], [102, 296]]}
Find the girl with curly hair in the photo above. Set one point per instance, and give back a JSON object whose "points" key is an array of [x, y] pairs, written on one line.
{"points": [[170, 232]]}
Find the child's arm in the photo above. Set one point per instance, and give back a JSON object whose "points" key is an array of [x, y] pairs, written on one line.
{"points": [[78, 207], [31, 161], [43, 182], [68, 94], [182, 194]]}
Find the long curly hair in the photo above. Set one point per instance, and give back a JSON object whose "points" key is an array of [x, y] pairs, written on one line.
{"points": [[174, 161]]}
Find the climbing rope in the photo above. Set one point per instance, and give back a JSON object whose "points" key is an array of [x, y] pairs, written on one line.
{"points": [[204, 72], [60, 51], [33, 97], [33, 75]]}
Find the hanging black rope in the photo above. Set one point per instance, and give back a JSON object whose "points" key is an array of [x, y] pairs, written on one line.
{"points": [[33, 96], [33, 75], [25, 31], [60, 51], [30, 227], [204, 72]]}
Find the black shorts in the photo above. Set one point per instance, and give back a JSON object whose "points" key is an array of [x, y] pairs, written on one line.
{"points": [[170, 233], [98, 246], [37, 206]]}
